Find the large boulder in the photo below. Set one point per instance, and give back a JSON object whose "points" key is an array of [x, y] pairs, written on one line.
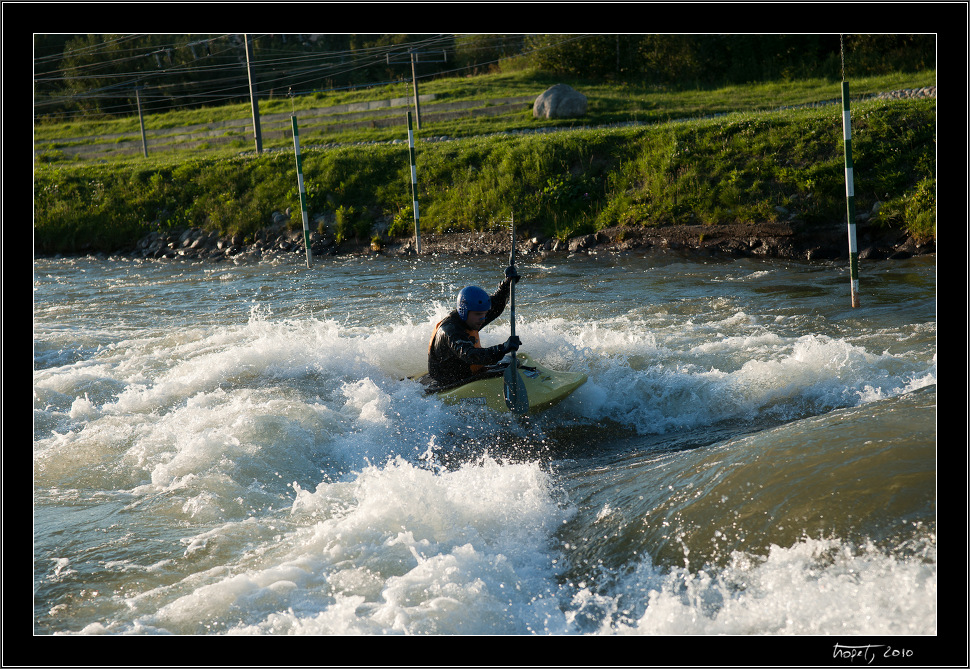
{"points": [[559, 101]]}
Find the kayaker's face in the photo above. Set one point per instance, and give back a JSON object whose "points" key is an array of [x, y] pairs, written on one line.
{"points": [[475, 319]]}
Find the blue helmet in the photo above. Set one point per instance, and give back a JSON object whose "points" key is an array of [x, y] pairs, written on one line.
{"points": [[472, 298]]}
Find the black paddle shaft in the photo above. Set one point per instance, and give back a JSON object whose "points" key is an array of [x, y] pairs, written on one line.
{"points": [[512, 287], [516, 397]]}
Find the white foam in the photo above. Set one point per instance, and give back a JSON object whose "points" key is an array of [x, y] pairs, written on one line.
{"points": [[813, 587], [399, 549], [732, 377]]}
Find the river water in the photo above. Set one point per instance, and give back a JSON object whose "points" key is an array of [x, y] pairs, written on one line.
{"points": [[236, 450]]}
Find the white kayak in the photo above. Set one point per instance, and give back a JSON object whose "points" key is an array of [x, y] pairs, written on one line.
{"points": [[544, 387]]}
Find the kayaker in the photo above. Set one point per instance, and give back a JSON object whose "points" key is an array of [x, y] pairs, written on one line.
{"points": [[455, 351]]}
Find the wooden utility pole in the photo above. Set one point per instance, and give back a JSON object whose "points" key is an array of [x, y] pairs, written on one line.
{"points": [[252, 96], [141, 122], [414, 57]]}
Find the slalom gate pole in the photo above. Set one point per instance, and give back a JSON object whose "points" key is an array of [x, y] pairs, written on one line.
{"points": [[299, 178], [850, 195], [414, 187]]}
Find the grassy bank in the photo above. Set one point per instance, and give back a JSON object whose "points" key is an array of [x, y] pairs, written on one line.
{"points": [[609, 102], [741, 167]]}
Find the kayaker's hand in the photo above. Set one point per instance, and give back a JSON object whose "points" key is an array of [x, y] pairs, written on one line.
{"points": [[510, 273], [512, 344]]}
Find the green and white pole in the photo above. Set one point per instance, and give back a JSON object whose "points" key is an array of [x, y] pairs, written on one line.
{"points": [[414, 187], [299, 178], [850, 195]]}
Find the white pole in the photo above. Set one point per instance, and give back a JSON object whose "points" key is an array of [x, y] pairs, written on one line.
{"points": [[299, 178], [414, 187], [850, 196]]}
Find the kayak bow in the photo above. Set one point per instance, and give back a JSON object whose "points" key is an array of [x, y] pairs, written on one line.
{"points": [[544, 387]]}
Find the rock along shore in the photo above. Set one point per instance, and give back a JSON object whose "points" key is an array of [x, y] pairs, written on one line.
{"points": [[772, 240]]}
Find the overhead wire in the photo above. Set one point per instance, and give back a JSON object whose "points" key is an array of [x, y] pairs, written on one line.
{"points": [[275, 68]]}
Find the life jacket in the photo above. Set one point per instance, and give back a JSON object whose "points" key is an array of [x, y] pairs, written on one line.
{"points": [[472, 334]]}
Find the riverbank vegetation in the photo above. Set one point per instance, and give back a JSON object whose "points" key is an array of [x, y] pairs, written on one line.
{"points": [[645, 155]]}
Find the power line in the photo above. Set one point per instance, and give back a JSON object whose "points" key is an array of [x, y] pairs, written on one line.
{"points": [[226, 80]]}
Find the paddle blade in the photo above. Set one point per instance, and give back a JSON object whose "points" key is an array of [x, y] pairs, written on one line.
{"points": [[516, 398]]}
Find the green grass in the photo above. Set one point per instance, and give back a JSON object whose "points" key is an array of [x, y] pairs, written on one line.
{"points": [[739, 167], [609, 102]]}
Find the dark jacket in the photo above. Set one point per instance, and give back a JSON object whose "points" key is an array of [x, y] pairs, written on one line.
{"points": [[453, 355]]}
